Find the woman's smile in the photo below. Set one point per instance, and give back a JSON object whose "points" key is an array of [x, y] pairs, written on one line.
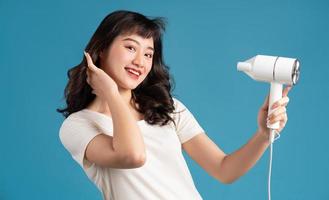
{"points": [[133, 73]]}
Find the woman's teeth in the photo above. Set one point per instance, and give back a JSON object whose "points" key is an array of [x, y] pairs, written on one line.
{"points": [[134, 72]]}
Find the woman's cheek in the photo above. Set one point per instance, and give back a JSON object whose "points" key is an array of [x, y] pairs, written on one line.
{"points": [[126, 57]]}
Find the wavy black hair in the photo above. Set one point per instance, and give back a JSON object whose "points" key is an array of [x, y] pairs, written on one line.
{"points": [[153, 95]]}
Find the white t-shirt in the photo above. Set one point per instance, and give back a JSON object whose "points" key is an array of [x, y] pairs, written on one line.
{"points": [[164, 175]]}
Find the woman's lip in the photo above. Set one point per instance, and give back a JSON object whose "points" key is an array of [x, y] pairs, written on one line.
{"points": [[134, 76], [136, 70]]}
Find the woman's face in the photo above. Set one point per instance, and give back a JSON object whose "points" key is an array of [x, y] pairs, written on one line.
{"points": [[128, 60]]}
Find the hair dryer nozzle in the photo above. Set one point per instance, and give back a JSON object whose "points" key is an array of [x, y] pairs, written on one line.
{"points": [[244, 66]]}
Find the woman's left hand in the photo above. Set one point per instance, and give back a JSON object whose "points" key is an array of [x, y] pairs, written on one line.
{"points": [[278, 115]]}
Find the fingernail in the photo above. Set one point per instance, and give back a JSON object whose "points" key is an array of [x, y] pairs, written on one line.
{"points": [[274, 106]]}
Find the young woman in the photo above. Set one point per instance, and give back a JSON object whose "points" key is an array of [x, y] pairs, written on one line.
{"points": [[126, 130]]}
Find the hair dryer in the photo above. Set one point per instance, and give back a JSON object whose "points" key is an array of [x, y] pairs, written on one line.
{"points": [[273, 69], [277, 71]]}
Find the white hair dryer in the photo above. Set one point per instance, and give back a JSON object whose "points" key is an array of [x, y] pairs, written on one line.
{"points": [[273, 69], [277, 71]]}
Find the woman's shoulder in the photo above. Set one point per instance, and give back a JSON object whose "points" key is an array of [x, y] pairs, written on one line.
{"points": [[87, 120], [80, 118], [78, 124], [76, 116], [178, 104]]}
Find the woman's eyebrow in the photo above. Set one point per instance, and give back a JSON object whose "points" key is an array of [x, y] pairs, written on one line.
{"points": [[130, 39]]}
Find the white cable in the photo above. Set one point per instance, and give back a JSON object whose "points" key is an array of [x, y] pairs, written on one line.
{"points": [[277, 136], [270, 172]]}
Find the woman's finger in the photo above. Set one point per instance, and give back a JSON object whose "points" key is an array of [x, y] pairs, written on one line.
{"points": [[286, 91], [88, 74], [90, 63], [283, 122], [278, 118], [281, 102], [285, 104], [277, 112]]}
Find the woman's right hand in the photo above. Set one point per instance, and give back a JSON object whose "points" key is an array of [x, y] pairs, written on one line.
{"points": [[99, 81]]}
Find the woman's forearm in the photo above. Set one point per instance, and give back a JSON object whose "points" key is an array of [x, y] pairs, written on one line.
{"points": [[127, 138], [239, 162]]}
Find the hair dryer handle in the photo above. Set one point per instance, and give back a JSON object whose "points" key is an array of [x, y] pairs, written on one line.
{"points": [[275, 95]]}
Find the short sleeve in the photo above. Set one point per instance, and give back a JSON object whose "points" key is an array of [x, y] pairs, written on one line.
{"points": [[75, 134], [186, 125]]}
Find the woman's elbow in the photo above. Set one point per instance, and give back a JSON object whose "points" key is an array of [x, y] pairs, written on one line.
{"points": [[135, 160], [226, 180]]}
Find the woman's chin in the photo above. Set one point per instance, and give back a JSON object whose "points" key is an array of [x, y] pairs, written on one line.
{"points": [[128, 86]]}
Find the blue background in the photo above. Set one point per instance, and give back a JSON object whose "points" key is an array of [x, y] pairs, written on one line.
{"points": [[41, 40]]}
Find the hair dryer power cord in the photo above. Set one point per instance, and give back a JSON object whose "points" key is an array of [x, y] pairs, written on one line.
{"points": [[277, 136]]}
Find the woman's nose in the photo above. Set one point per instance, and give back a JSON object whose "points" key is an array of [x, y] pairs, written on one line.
{"points": [[139, 60]]}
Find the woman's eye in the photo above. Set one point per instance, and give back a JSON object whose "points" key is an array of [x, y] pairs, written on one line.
{"points": [[130, 48], [149, 55]]}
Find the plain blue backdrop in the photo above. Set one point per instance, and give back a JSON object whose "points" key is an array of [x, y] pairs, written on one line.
{"points": [[41, 40]]}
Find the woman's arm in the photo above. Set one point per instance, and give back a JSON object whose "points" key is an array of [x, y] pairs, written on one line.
{"points": [[225, 168], [126, 148], [239, 162], [127, 137], [228, 168]]}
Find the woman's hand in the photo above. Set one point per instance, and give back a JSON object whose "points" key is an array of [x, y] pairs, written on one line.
{"points": [[278, 115], [100, 81]]}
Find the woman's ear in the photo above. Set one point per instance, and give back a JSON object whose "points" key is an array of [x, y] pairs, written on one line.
{"points": [[101, 54]]}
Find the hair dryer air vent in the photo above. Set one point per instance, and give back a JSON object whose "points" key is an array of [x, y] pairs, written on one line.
{"points": [[295, 72]]}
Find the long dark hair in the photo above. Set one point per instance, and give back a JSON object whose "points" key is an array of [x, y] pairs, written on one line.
{"points": [[153, 95]]}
